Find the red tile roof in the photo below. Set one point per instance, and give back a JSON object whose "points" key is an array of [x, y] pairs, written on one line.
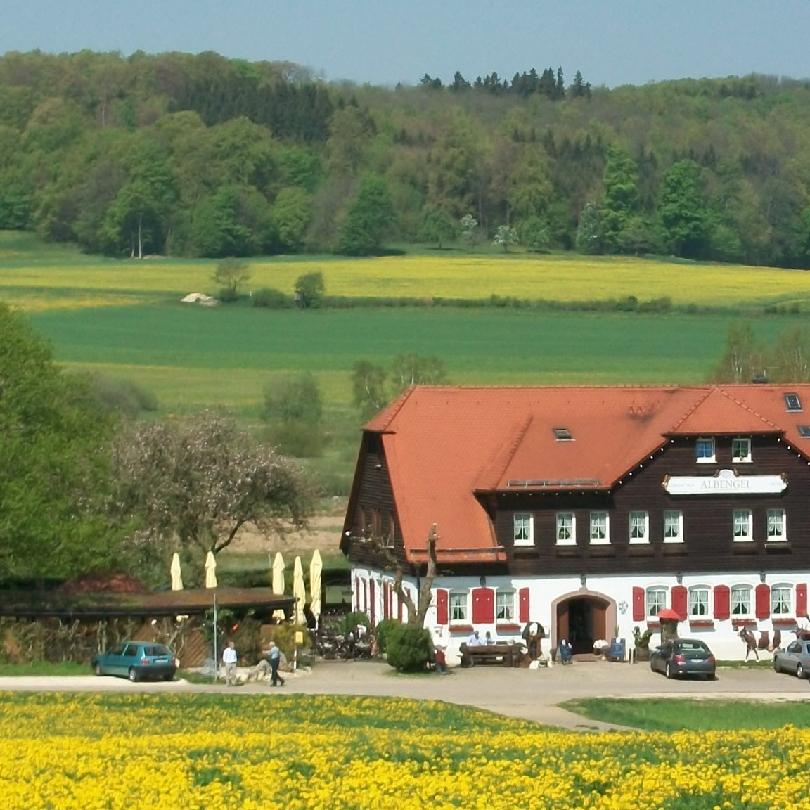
{"points": [[442, 444]]}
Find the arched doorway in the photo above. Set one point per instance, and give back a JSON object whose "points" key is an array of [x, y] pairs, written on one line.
{"points": [[582, 618]]}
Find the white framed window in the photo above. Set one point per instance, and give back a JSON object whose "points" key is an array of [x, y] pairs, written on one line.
{"points": [[777, 529], [523, 529], [459, 611], [741, 521], [656, 600], [639, 527], [504, 606], [699, 602], [741, 600], [704, 451], [741, 450], [781, 600], [673, 526], [600, 528], [566, 529]]}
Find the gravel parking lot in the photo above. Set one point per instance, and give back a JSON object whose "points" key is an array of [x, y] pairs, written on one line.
{"points": [[527, 694]]}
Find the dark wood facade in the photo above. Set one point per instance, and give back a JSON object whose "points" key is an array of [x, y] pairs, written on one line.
{"points": [[707, 519], [707, 546]]}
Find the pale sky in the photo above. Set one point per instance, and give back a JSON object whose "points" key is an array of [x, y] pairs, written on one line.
{"points": [[384, 41]]}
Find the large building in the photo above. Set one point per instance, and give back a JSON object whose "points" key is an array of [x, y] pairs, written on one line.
{"points": [[589, 509]]}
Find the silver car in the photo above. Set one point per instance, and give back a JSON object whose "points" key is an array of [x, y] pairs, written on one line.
{"points": [[794, 658]]}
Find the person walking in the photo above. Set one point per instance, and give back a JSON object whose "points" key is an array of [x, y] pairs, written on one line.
{"points": [[274, 656], [229, 659]]}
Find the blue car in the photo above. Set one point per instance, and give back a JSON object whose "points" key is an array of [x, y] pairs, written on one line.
{"points": [[137, 660]]}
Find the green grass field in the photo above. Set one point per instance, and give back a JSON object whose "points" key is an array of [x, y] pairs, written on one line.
{"points": [[661, 714], [125, 319]]}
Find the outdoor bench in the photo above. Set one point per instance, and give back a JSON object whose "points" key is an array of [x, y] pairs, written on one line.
{"points": [[503, 655]]}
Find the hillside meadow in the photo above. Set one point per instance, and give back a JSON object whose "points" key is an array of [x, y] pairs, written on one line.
{"points": [[34, 276]]}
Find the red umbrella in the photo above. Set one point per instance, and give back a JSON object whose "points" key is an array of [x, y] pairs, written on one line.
{"points": [[668, 615]]}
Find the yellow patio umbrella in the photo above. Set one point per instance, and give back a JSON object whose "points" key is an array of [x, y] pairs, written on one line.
{"points": [[278, 582], [177, 574], [299, 591], [210, 570], [315, 568]]}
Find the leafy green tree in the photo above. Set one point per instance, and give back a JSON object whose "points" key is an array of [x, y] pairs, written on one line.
{"points": [[534, 233], [469, 229], [621, 200], [231, 274], [589, 230], [310, 289], [294, 398], [437, 227], [294, 411], [368, 387], [235, 221], [54, 464], [505, 237], [290, 215], [414, 369], [683, 211], [370, 217]]}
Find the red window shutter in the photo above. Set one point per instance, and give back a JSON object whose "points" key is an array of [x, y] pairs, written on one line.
{"points": [[801, 599], [763, 601], [483, 606], [357, 593], [386, 606], [372, 603], [399, 608], [639, 604], [442, 614], [722, 601], [523, 595], [678, 600]]}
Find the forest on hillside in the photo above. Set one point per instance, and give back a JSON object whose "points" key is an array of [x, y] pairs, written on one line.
{"points": [[200, 155]]}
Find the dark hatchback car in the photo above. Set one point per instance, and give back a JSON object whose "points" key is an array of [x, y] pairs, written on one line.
{"points": [[137, 660], [683, 656]]}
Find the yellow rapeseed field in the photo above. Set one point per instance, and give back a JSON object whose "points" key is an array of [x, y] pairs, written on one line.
{"points": [[41, 285], [87, 752]]}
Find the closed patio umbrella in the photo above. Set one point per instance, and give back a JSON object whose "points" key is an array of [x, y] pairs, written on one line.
{"points": [[299, 591], [278, 582], [315, 568], [210, 570], [177, 574]]}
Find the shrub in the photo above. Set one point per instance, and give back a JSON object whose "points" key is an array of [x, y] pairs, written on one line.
{"points": [[351, 620], [383, 632], [270, 298], [298, 439], [123, 396], [409, 648], [227, 295], [309, 290]]}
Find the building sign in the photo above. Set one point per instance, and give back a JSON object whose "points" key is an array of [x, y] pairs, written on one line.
{"points": [[725, 482]]}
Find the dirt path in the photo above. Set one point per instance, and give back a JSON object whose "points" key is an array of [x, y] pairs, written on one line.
{"points": [[525, 694]]}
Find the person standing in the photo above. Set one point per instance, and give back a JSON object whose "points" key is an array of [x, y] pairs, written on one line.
{"points": [[229, 659], [274, 656]]}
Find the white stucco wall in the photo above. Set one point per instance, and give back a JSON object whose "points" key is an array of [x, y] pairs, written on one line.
{"points": [[722, 637]]}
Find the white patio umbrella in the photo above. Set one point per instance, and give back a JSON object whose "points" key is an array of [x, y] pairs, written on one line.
{"points": [[210, 570], [278, 582], [177, 574], [315, 568], [299, 591]]}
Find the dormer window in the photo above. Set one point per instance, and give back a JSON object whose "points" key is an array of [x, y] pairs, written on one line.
{"points": [[792, 402], [704, 451], [740, 450], [562, 434]]}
